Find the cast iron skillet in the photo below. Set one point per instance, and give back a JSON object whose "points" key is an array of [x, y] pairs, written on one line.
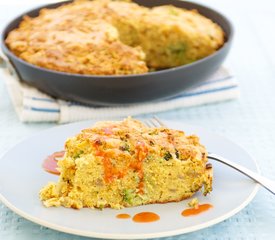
{"points": [[127, 89]]}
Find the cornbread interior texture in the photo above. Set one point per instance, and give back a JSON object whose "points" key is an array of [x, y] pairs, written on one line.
{"points": [[105, 37], [123, 164]]}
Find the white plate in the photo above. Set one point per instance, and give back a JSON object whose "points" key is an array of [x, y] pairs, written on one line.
{"points": [[21, 178]]}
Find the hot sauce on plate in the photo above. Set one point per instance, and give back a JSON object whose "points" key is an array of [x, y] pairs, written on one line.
{"points": [[142, 217], [123, 216], [145, 217], [195, 211], [50, 163]]}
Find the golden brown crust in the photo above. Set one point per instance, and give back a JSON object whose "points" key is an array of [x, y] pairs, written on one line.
{"points": [[105, 37], [75, 38]]}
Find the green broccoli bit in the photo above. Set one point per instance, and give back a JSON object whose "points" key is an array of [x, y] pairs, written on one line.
{"points": [[167, 156], [125, 147], [77, 155], [177, 50], [128, 195]]}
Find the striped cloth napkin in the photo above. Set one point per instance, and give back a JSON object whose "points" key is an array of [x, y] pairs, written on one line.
{"points": [[31, 105]]}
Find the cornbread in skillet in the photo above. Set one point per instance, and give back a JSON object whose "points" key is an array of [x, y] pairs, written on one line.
{"points": [[105, 37], [168, 35], [72, 38], [124, 163]]}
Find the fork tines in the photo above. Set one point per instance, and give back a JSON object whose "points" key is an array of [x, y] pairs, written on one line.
{"points": [[154, 122]]}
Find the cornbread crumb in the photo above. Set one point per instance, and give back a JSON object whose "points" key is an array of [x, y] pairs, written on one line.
{"points": [[194, 203]]}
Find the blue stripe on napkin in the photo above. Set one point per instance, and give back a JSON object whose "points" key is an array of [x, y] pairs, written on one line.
{"points": [[48, 110]]}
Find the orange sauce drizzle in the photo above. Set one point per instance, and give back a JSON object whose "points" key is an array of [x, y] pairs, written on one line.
{"points": [[142, 152], [108, 169], [145, 217], [123, 216], [50, 163], [111, 172], [195, 211]]}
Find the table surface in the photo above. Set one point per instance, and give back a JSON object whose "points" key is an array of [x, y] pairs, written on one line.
{"points": [[248, 121]]}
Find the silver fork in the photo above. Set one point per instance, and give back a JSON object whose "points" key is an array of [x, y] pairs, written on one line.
{"points": [[266, 183]]}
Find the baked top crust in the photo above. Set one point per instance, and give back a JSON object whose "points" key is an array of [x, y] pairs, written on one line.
{"points": [[105, 37]]}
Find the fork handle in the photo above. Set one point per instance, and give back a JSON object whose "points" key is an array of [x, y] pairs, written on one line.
{"points": [[266, 183]]}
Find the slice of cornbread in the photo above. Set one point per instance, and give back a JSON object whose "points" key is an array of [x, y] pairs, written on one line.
{"points": [[123, 164]]}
